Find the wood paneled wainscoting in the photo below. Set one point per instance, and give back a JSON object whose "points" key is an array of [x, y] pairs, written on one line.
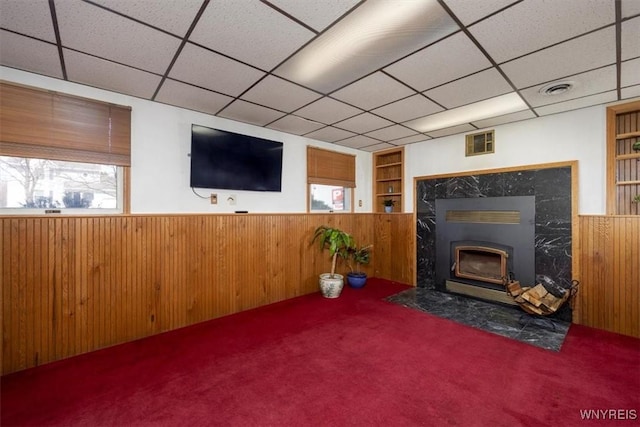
{"points": [[71, 285], [609, 260]]}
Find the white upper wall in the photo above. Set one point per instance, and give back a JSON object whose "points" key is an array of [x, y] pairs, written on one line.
{"points": [[160, 166], [577, 135], [161, 138]]}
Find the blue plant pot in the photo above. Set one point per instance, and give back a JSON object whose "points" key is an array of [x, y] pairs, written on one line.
{"points": [[356, 280]]}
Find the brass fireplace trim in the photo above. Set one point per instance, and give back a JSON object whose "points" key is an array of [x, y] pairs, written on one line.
{"points": [[485, 217], [478, 292], [503, 263]]}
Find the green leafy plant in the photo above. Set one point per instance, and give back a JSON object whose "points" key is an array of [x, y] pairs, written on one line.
{"points": [[338, 242], [636, 199], [359, 256], [389, 202]]}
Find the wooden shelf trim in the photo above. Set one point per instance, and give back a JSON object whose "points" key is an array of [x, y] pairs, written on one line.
{"points": [[388, 165], [628, 183], [628, 156], [628, 135]]}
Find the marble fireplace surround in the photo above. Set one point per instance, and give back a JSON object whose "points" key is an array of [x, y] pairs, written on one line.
{"points": [[552, 185]]}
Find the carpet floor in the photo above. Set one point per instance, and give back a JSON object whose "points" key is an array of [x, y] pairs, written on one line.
{"points": [[356, 360]]}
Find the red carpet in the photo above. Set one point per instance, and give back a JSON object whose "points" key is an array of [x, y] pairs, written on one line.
{"points": [[357, 360]]}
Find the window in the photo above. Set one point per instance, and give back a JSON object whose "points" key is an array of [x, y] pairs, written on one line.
{"points": [[623, 159], [59, 151], [28, 184], [331, 179], [330, 198]]}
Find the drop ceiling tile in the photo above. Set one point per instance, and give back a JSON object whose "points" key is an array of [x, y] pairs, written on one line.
{"points": [[630, 73], [172, 16], [31, 18], [391, 132], [355, 46], [470, 11], [327, 110], [295, 125], [631, 39], [358, 141], [318, 15], [452, 130], [191, 97], [575, 56], [440, 63], [476, 87], [592, 82], [373, 91], [29, 54], [574, 104], [409, 108], [280, 94], [250, 113], [363, 123], [630, 8], [207, 69], [329, 134], [97, 72], [95, 31], [630, 92], [410, 139], [377, 147], [507, 118], [535, 24], [251, 32]]}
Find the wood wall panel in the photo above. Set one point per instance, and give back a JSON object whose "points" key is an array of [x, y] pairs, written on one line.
{"points": [[76, 284], [609, 294]]}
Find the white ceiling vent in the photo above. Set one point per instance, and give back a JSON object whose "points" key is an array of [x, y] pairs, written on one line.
{"points": [[557, 88]]}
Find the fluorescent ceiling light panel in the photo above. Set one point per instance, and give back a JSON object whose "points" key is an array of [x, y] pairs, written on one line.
{"points": [[498, 106], [374, 35]]}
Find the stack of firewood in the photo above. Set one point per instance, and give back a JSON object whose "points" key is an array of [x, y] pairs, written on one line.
{"points": [[537, 299]]}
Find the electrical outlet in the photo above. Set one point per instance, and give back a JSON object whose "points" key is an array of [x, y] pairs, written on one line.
{"points": [[232, 199], [214, 199], [360, 203]]}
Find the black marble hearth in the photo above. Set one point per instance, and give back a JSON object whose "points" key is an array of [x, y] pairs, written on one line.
{"points": [[510, 322], [551, 188]]}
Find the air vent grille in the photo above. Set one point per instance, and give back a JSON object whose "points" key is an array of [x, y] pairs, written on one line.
{"points": [[480, 143]]}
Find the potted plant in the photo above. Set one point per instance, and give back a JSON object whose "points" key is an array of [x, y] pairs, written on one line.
{"points": [[359, 256], [339, 244], [388, 205]]}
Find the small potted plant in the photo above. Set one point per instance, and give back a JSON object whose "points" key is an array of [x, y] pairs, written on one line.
{"points": [[339, 244], [359, 256], [388, 205]]}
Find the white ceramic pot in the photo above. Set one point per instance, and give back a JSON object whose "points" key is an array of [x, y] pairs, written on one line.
{"points": [[331, 286]]}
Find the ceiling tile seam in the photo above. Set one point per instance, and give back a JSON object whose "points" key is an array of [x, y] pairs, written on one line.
{"points": [[458, 79], [618, 11], [577, 98], [569, 76], [595, 30], [486, 54], [311, 40], [291, 17], [492, 14], [183, 42], [28, 36], [56, 31], [112, 61], [417, 92], [146, 24]]}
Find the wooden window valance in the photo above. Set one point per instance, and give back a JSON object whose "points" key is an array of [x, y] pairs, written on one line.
{"points": [[330, 168], [44, 124]]}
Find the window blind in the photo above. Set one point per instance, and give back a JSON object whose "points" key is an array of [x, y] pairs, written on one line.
{"points": [[330, 168], [44, 124]]}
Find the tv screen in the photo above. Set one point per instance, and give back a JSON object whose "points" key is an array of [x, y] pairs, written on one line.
{"points": [[227, 160]]}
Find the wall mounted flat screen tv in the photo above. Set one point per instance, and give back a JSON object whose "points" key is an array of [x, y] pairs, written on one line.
{"points": [[231, 161]]}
